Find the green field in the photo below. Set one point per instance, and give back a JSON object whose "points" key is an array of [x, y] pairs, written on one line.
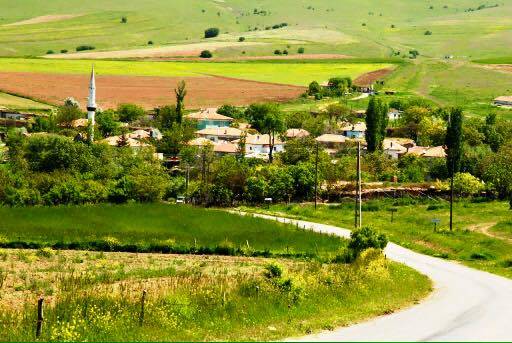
{"points": [[155, 227], [413, 228], [477, 34], [454, 83], [285, 73], [18, 103]]}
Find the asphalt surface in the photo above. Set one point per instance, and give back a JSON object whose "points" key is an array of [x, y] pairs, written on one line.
{"points": [[466, 305]]}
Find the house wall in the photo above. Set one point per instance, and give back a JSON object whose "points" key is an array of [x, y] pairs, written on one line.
{"points": [[262, 149], [354, 134], [204, 124]]}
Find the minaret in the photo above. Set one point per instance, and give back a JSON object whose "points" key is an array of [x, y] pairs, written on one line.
{"points": [[91, 105]]}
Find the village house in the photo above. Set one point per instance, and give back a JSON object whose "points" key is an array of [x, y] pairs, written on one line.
{"points": [[146, 133], [392, 148], [216, 134], [296, 133], [259, 145], [394, 114], [427, 152], [225, 148], [207, 118], [130, 142], [331, 142], [505, 101], [356, 130]]}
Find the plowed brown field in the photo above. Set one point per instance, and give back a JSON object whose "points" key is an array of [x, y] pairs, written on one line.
{"points": [[146, 91]]}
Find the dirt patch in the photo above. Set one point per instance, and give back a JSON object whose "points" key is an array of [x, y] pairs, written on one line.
{"points": [[44, 19], [500, 67], [485, 228], [193, 49], [147, 91], [370, 78]]}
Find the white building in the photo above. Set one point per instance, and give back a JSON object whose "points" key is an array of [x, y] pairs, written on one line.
{"points": [[260, 145], [393, 148], [216, 134]]}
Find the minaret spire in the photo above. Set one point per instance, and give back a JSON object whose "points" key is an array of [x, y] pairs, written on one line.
{"points": [[91, 105]]}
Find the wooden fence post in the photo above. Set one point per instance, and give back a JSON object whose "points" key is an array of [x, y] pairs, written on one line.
{"points": [[142, 303], [39, 326]]}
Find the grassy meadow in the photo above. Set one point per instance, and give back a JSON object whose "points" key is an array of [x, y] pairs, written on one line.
{"points": [[97, 296], [286, 73], [157, 228], [18, 103], [322, 26], [481, 238]]}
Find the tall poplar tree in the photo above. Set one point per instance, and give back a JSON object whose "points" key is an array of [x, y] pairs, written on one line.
{"points": [[454, 141], [376, 124]]}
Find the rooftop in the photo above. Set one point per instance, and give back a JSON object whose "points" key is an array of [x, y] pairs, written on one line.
{"points": [[331, 138], [207, 114], [296, 133], [220, 131]]}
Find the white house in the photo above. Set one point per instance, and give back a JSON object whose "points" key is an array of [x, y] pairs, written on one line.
{"points": [[393, 148], [505, 101], [296, 133], [216, 134], [394, 114], [356, 130], [209, 117], [260, 144]]}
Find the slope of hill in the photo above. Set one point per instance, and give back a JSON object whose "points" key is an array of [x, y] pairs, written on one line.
{"points": [[358, 28]]}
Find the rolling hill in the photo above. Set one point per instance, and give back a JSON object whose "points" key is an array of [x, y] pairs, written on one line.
{"points": [[358, 28]]}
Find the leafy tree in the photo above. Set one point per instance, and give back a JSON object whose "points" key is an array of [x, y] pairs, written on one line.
{"points": [[211, 32], [176, 137], [498, 172], [255, 189], [454, 141], [107, 123], [166, 116], [300, 50], [467, 184], [267, 119], [376, 124], [129, 112], [298, 150], [338, 112], [492, 136], [231, 111], [180, 92], [67, 113]]}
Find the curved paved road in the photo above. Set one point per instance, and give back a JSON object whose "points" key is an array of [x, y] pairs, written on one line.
{"points": [[467, 304]]}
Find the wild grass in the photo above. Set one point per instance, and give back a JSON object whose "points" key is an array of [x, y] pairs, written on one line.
{"points": [[157, 228], [412, 227], [226, 299]]}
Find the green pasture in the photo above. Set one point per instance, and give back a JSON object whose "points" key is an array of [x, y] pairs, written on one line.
{"points": [[286, 73], [412, 227], [19, 103], [140, 225]]}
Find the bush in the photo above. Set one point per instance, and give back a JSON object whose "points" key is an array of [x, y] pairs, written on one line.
{"points": [[150, 42], [64, 51], [273, 270], [205, 54], [277, 52], [314, 88], [49, 52], [366, 238], [85, 47], [124, 20], [285, 52], [211, 32], [300, 50], [241, 39], [428, 33]]}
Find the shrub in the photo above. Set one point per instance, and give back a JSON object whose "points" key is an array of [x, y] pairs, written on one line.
{"points": [[124, 20], [49, 52], [285, 52], [365, 238], [428, 33], [205, 54], [277, 52], [64, 51], [150, 42], [300, 50], [314, 88], [273, 270], [211, 32], [85, 47], [241, 39], [45, 252]]}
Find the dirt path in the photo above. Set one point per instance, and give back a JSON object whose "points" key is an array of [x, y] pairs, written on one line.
{"points": [[485, 228]]}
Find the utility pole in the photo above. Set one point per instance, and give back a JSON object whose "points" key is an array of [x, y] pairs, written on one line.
{"points": [[186, 183], [358, 215], [316, 173], [451, 194]]}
